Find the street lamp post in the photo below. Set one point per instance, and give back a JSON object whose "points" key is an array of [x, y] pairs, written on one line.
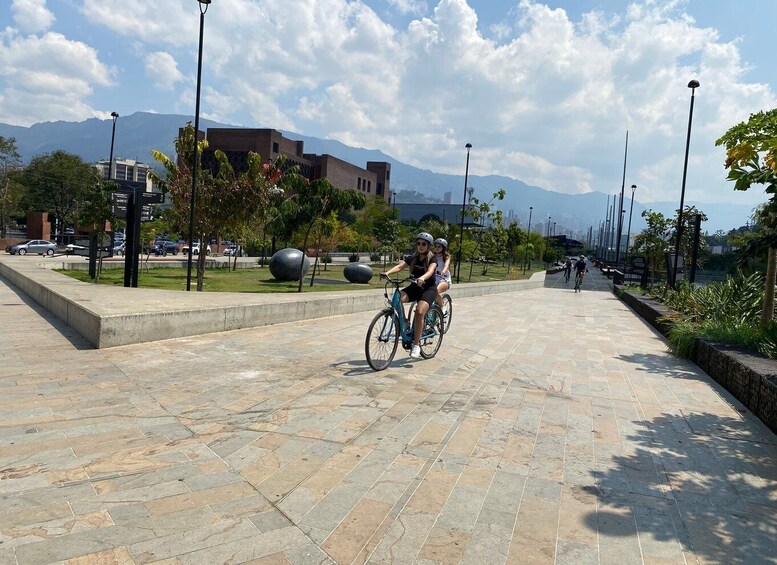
{"points": [[528, 233], [203, 5], [628, 233], [393, 200], [693, 85], [468, 146], [115, 116]]}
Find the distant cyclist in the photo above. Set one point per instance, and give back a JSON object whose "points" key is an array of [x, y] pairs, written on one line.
{"points": [[424, 290], [580, 270], [567, 269]]}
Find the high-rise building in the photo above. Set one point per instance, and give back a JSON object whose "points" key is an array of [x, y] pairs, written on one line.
{"points": [[124, 169]]}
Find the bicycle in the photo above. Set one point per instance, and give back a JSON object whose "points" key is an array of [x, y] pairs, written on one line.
{"points": [[392, 323], [578, 281], [447, 312]]}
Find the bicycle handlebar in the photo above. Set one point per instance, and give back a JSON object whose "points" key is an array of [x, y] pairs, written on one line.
{"points": [[397, 282]]}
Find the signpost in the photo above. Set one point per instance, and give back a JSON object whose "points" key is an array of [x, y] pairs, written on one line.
{"points": [[135, 204]]}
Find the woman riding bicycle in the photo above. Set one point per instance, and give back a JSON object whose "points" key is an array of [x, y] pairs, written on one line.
{"points": [[580, 269], [424, 290], [442, 275]]}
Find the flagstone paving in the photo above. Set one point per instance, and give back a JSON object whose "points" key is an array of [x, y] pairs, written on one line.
{"points": [[553, 427]]}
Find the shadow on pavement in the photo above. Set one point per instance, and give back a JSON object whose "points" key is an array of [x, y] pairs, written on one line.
{"points": [[701, 480]]}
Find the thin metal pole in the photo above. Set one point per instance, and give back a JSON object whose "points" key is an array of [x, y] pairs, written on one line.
{"points": [[195, 152], [620, 208], [528, 234], [628, 234], [695, 249], [115, 116], [463, 207], [693, 85]]}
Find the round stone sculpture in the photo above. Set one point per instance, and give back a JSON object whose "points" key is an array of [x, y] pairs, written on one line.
{"points": [[358, 273], [284, 265]]}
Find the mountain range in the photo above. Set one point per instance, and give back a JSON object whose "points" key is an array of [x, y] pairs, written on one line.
{"points": [[139, 133]]}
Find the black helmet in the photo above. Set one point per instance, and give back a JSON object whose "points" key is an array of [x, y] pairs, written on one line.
{"points": [[427, 237], [441, 241]]}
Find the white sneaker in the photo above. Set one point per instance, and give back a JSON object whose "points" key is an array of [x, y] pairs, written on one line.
{"points": [[415, 353]]}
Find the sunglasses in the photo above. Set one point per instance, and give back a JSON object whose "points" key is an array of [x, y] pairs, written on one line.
{"points": [[420, 243]]}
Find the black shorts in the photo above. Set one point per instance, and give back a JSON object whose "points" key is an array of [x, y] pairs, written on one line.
{"points": [[426, 293]]}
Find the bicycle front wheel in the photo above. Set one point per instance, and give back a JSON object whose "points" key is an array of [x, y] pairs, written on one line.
{"points": [[447, 312], [380, 346], [431, 335]]}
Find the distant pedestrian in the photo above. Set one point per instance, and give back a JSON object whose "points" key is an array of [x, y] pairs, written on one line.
{"points": [[567, 269]]}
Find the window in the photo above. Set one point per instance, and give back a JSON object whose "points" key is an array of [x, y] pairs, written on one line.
{"points": [[369, 186], [388, 175], [275, 147], [379, 188], [358, 183]]}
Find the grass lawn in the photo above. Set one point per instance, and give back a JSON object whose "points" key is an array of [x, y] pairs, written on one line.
{"points": [[259, 279]]}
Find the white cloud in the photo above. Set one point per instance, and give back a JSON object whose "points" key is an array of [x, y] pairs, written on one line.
{"points": [[162, 69], [32, 16], [548, 100], [47, 78], [415, 7]]}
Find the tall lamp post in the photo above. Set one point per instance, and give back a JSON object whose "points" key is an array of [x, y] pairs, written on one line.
{"points": [[115, 116], [528, 233], [463, 207], [693, 85], [628, 233], [393, 200], [203, 4], [620, 214]]}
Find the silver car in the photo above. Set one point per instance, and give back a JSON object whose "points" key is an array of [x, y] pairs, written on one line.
{"points": [[39, 246]]}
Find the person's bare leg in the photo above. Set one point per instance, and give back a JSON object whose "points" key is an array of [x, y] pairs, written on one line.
{"points": [[420, 313]]}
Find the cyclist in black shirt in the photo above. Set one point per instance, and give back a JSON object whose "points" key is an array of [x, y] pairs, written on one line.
{"points": [[424, 290]]}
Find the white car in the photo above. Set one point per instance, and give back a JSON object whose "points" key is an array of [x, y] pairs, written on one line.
{"points": [[195, 249], [232, 251]]}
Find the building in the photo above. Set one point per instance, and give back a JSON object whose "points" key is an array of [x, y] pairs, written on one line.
{"points": [[446, 213], [124, 169], [270, 144]]}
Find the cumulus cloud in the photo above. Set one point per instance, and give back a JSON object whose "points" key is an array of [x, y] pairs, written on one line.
{"points": [[47, 78], [162, 70], [546, 98], [31, 16]]}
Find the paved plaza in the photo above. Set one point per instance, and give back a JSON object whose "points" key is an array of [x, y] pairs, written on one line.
{"points": [[553, 427]]}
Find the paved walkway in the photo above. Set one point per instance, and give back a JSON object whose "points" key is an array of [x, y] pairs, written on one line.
{"points": [[553, 427], [593, 280]]}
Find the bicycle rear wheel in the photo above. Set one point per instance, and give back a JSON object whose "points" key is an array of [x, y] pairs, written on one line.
{"points": [[380, 345], [447, 312], [432, 332]]}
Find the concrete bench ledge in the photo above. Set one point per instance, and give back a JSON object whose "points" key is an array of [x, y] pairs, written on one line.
{"points": [[109, 316]]}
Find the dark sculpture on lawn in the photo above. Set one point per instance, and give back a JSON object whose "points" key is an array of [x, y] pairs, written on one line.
{"points": [[284, 265], [358, 273]]}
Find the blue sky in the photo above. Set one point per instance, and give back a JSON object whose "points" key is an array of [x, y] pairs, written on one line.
{"points": [[544, 91]]}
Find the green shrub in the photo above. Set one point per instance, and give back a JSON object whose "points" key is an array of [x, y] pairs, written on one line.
{"points": [[375, 257], [353, 257], [326, 258]]}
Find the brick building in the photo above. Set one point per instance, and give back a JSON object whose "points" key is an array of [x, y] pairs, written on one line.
{"points": [[375, 179]]}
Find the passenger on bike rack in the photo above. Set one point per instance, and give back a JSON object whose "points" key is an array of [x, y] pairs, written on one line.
{"points": [[424, 291], [442, 275]]}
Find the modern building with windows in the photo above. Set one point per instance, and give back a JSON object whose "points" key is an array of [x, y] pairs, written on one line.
{"points": [[374, 179], [124, 169]]}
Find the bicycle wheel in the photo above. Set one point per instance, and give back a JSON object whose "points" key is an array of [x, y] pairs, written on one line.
{"points": [[380, 346], [431, 335], [447, 312], [578, 280]]}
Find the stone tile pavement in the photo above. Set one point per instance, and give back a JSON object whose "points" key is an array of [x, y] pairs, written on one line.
{"points": [[553, 427]]}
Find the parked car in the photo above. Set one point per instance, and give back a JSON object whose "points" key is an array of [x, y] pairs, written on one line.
{"points": [[232, 251], [73, 247], [39, 246], [195, 249], [119, 249], [165, 247]]}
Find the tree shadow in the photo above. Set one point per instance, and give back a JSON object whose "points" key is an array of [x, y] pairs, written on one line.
{"points": [[705, 481]]}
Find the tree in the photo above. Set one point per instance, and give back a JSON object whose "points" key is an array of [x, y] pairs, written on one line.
{"points": [[653, 241], [486, 240], [686, 243], [317, 199], [751, 158], [58, 183], [9, 193], [225, 202]]}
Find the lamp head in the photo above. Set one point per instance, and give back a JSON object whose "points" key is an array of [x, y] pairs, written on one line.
{"points": [[633, 187], [114, 114], [468, 146], [206, 2], [693, 84]]}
